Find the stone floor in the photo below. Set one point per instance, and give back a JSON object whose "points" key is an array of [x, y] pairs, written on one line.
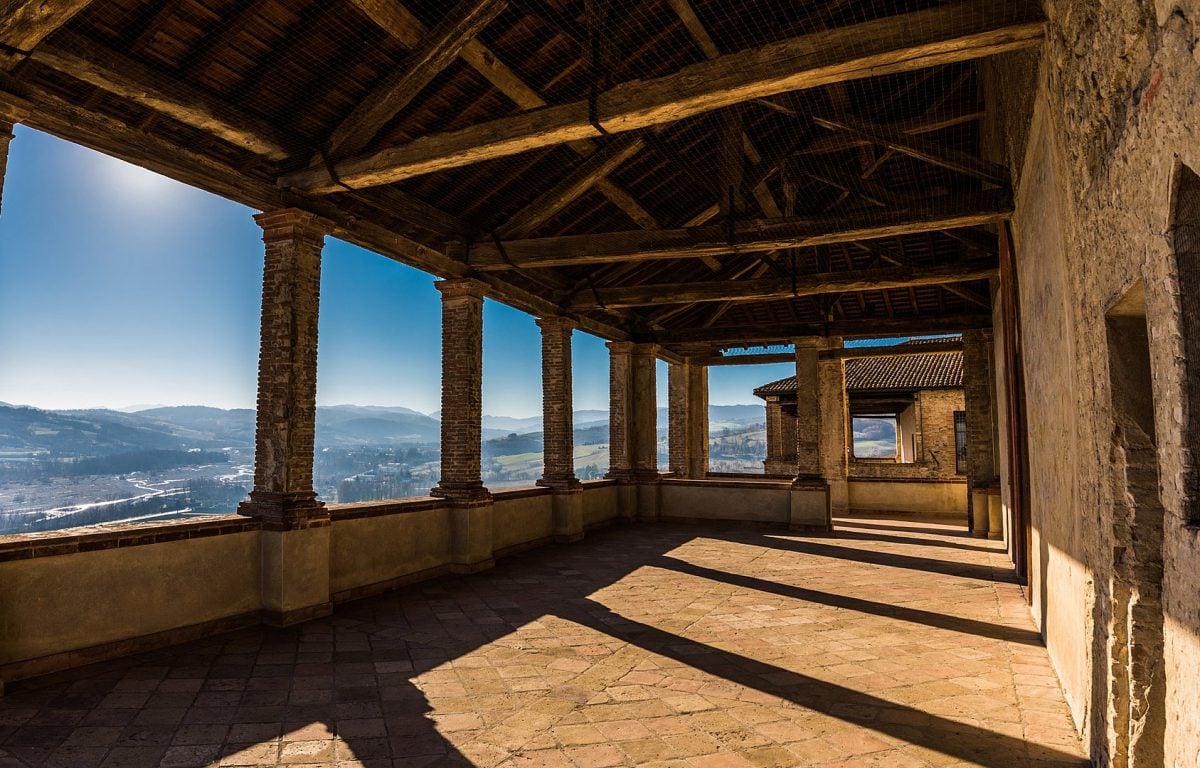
{"points": [[888, 643]]}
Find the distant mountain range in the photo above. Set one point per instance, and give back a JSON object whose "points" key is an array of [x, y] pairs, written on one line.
{"points": [[101, 432]]}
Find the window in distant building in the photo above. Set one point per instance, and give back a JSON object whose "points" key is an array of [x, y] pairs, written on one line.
{"points": [[960, 442]]}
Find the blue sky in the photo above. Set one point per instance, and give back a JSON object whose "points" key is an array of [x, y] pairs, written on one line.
{"points": [[121, 287]]}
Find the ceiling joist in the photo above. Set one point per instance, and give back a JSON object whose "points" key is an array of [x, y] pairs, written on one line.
{"points": [[26, 23], [959, 31], [771, 289], [752, 236]]}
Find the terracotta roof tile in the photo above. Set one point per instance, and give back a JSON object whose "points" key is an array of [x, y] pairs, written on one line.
{"points": [[936, 370]]}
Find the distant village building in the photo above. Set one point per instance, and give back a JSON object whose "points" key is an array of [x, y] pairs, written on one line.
{"points": [[917, 397]]}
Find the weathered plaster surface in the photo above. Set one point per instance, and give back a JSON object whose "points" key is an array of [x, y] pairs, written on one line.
{"points": [[1115, 108]]}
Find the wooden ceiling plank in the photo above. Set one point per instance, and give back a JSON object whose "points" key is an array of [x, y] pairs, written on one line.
{"points": [[24, 24], [751, 236], [104, 68], [397, 90], [959, 31], [572, 186], [781, 288], [921, 149]]}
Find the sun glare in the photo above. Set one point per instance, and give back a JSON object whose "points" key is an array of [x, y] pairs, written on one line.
{"points": [[127, 181]]}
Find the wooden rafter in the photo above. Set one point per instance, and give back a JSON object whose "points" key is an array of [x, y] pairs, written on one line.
{"points": [[433, 54], [775, 288], [115, 73], [748, 236], [921, 149], [785, 332], [960, 31], [400, 23], [24, 24]]}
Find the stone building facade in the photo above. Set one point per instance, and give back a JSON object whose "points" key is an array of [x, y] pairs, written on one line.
{"points": [[922, 393]]}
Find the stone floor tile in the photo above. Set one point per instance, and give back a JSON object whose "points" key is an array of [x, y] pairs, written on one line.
{"points": [[659, 646]]}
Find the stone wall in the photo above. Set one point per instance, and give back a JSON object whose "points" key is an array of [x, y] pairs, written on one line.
{"points": [[1094, 127], [936, 409]]}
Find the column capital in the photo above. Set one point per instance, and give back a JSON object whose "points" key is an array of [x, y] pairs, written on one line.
{"points": [[555, 323], [461, 288], [292, 223], [632, 348]]}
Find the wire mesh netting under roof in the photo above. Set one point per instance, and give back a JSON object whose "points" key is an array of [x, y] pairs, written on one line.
{"points": [[302, 68]]}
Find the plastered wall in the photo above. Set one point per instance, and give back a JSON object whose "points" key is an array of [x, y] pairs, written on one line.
{"points": [[1094, 126]]}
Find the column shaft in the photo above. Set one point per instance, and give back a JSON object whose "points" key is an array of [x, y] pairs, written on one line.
{"points": [[687, 434], [834, 430], [557, 412], [283, 494], [808, 408], [633, 411], [462, 391]]}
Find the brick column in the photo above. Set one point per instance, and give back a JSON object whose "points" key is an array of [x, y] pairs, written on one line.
{"points": [[834, 432], [557, 413], [774, 414], [633, 413], [295, 537], [283, 494], [461, 479], [6, 137], [558, 429], [977, 394], [808, 408], [687, 433]]}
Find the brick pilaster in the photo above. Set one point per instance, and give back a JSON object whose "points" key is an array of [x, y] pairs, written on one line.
{"points": [[462, 391], [977, 394], [557, 412], [283, 495]]}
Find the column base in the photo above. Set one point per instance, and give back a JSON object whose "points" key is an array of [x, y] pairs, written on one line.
{"points": [[567, 511], [462, 493], [295, 574], [471, 534], [809, 505], [297, 616], [285, 511]]}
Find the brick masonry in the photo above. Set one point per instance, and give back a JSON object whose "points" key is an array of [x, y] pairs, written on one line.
{"points": [[687, 428], [283, 494], [557, 410], [808, 408], [633, 411], [977, 394], [462, 390], [834, 431]]}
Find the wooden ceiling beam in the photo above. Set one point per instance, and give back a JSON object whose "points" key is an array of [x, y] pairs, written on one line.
{"points": [[104, 68], [401, 24], [781, 288], [752, 236], [920, 149], [959, 31], [784, 333], [24, 24], [422, 64], [352, 221]]}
